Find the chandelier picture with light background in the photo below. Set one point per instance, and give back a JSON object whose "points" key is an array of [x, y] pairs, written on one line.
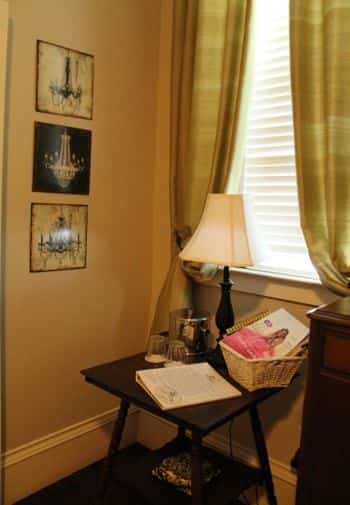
{"points": [[64, 81], [61, 159], [58, 237]]}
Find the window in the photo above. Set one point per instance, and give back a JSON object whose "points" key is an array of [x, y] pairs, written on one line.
{"points": [[269, 173]]}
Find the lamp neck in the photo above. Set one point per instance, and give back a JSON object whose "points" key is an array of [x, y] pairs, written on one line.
{"points": [[225, 316], [226, 280]]}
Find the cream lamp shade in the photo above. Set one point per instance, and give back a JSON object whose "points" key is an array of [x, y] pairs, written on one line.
{"points": [[227, 233]]}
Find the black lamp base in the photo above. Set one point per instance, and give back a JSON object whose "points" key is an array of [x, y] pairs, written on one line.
{"points": [[224, 319]]}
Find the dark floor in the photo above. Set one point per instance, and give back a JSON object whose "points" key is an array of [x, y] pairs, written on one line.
{"points": [[80, 488]]}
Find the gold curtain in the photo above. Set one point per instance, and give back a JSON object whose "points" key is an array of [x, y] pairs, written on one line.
{"points": [[320, 68], [208, 64]]}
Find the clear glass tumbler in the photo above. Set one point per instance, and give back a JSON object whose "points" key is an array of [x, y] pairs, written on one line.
{"points": [[176, 353], [157, 349]]}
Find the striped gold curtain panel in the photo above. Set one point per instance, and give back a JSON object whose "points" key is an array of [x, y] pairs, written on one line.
{"points": [[209, 54], [320, 69]]}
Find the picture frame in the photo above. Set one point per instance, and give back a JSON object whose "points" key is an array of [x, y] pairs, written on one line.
{"points": [[62, 159], [58, 237], [64, 81]]}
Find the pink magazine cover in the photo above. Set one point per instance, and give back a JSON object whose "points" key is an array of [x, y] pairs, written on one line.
{"points": [[274, 336]]}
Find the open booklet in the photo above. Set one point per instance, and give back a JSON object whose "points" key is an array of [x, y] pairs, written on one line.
{"points": [[276, 335], [185, 385]]}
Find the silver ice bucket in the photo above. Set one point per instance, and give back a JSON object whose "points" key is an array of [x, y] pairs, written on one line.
{"points": [[192, 327]]}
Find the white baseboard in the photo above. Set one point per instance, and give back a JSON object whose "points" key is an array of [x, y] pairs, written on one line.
{"points": [[41, 462], [46, 443]]}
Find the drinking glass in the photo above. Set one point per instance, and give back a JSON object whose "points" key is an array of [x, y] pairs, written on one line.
{"points": [[176, 353], [156, 352]]}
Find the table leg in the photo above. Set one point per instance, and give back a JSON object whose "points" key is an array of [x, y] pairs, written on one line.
{"points": [[181, 432], [181, 438], [197, 483], [262, 454], [113, 449]]}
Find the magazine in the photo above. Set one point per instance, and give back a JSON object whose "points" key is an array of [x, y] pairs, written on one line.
{"points": [[274, 336], [185, 385]]}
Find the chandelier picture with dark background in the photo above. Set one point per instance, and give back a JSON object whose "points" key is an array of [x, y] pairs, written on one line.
{"points": [[61, 159]]}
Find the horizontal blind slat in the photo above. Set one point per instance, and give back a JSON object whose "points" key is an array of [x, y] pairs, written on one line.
{"points": [[271, 145], [274, 138], [264, 130], [275, 104], [277, 88], [263, 179], [266, 160], [282, 228], [274, 167], [267, 189], [269, 152]]}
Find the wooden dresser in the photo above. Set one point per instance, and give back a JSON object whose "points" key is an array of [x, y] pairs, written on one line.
{"points": [[324, 464]]}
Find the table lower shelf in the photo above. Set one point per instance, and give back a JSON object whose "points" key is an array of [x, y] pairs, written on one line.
{"points": [[234, 479]]}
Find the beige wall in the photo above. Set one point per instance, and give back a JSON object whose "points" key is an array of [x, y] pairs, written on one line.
{"points": [[161, 214], [3, 54], [60, 322]]}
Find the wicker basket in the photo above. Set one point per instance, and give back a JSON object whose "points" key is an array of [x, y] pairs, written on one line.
{"points": [[262, 373]]}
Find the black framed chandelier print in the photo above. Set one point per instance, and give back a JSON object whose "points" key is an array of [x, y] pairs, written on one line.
{"points": [[64, 81], [61, 159], [58, 237]]}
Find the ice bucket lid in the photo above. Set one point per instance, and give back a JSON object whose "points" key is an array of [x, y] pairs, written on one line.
{"points": [[189, 314]]}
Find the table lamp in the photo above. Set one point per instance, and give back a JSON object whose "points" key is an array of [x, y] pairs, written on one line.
{"points": [[227, 235]]}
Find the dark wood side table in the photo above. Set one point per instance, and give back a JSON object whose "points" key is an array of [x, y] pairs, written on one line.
{"points": [[118, 378]]}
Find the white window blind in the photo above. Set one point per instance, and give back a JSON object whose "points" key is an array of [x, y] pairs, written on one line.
{"points": [[269, 173]]}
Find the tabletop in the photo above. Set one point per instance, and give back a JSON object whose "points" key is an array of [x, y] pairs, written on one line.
{"points": [[118, 378]]}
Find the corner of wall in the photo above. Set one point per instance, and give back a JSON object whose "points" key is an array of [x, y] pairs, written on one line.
{"points": [[161, 213]]}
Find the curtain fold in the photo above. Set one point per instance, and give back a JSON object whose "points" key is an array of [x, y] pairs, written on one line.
{"points": [[320, 70], [209, 63]]}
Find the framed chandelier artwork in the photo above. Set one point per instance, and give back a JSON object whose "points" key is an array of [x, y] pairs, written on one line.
{"points": [[61, 159], [58, 237], [64, 81]]}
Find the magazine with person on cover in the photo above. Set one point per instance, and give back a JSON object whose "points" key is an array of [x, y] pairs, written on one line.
{"points": [[273, 336]]}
